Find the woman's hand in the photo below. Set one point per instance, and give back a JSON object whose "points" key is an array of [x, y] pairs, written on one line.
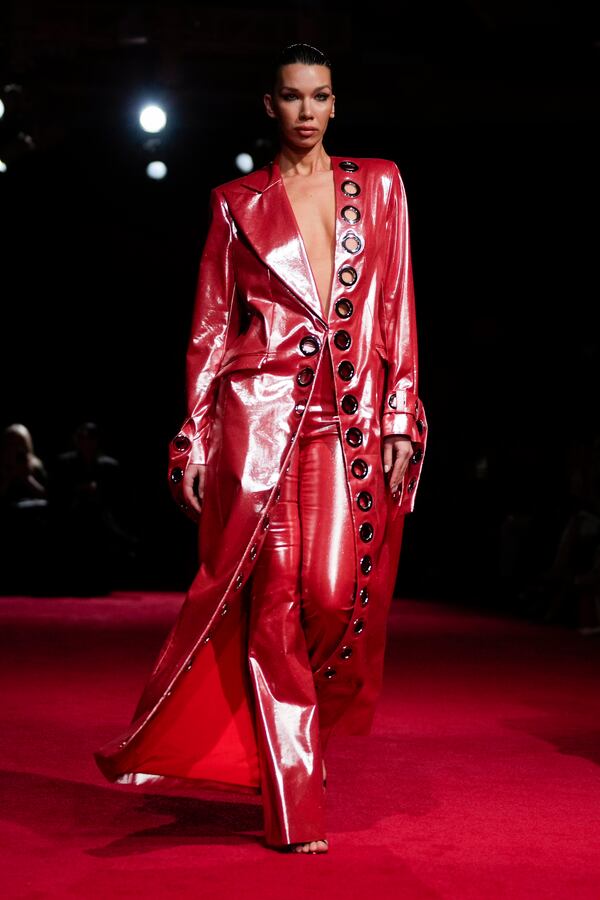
{"points": [[397, 450], [194, 472]]}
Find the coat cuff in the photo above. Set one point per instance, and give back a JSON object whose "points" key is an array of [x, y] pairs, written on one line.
{"points": [[402, 415]]}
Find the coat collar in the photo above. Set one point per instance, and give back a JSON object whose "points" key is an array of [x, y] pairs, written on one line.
{"points": [[261, 208]]}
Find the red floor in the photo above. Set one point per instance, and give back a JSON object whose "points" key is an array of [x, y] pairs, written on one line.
{"points": [[481, 778]]}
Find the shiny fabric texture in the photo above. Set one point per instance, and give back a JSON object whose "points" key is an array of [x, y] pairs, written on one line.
{"points": [[259, 340], [301, 603]]}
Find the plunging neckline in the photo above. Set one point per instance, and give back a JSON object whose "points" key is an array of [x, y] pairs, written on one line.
{"points": [[324, 313]]}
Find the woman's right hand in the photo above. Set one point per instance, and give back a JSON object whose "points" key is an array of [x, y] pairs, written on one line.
{"points": [[194, 475]]}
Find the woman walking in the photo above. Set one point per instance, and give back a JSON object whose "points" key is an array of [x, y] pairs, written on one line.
{"points": [[300, 455]]}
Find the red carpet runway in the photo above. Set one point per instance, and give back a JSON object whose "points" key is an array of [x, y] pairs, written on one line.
{"points": [[481, 778]]}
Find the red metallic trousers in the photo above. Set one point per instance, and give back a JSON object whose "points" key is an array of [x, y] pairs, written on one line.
{"points": [[301, 602]]}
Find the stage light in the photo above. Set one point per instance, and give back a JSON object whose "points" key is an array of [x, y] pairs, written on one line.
{"points": [[244, 162], [1, 109], [153, 118], [156, 169], [3, 166]]}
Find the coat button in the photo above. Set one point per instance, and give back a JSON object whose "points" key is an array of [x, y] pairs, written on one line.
{"points": [[359, 468], [366, 564], [364, 596], [329, 672], [346, 370], [354, 437], [348, 275], [351, 242], [176, 475], [350, 214], [392, 401], [344, 308], [358, 625], [364, 500], [310, 345], [417, 456], [181, 442], [350, 188], [349, 403], [366, 532], [420, 426], [305, 376], [346, 652], [348, 165], [342, 340]]}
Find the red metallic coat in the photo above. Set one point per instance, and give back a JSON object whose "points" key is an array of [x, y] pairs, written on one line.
{"points": [[257, 339]]}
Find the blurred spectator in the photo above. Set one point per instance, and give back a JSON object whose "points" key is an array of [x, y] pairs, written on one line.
{"points": [[87, 499], [23, 511]]}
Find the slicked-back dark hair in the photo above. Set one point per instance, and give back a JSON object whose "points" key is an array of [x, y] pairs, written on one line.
{"points": [[298, 53]]}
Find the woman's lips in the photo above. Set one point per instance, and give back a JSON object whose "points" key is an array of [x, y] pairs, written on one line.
{"points": [[306, 131]]}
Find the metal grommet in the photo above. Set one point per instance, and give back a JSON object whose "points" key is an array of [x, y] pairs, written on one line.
{"points": [[253, 551], [342, 339], [354, 437], [305, 376], [346, 652], [350, 188], [350, 214], [346, 370], [348, 165], [239, 581], [310, 345], [392, 403], [417, 456], [176, 475], [206, 639], [358, 625], [344, 308], [351, 242], [181, 442], [420, 426], [169, 692], [348, 275], [349, 404], [189, 665], [366, 532], [366, 564], [278, 494], [364, 500], [265, 523], [329, 672], [224, 609], [364, 596], [359, 468], [411, 485], [299, 408], [123, 744]]}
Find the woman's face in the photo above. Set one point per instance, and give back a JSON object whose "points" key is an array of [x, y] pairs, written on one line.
{"points": [[302, 97]]}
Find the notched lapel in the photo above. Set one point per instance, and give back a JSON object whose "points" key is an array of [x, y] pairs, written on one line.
{"points": [[262, 210]]}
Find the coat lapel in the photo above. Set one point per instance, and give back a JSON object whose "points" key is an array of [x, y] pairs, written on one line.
{"points": [[261, 209]]}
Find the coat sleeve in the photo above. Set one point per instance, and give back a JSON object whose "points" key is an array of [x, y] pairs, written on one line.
{"points": [[403, 408], [214, 324]]}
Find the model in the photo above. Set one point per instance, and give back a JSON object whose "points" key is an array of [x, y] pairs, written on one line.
{"points": [[300, 455]]}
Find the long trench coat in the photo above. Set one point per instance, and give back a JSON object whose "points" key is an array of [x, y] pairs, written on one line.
{"points": [[258, 337]]}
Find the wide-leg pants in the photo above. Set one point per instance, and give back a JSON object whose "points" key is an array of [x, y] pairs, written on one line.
{"points": [[300, 603]]}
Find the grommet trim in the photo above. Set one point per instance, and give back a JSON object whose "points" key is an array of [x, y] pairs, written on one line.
{"points": [[349, 403], [346, 652], [366, 564], [350, 188], [351, 242], [309, 345], [364, 596], [346, 370], [342, 339], [305, 376], [364, 500], [359, 468], [348, 275], [176, 475], [392, 401], [350, 214], [366, 532], [181, 442], [344, 308], [358, 625], [354, 437], [348, 165]]}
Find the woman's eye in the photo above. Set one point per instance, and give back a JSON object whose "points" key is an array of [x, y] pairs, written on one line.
{"points": [[324, 96]]}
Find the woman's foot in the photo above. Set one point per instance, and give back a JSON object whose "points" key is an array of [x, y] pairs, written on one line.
{"points": [[312, 847]]}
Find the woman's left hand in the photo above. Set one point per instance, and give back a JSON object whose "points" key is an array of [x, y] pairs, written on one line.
{"points": [[397, 450]]}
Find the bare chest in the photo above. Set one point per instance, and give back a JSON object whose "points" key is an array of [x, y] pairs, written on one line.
{"points": [[312, 199]]}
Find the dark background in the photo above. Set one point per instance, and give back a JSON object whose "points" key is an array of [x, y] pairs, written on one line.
{"points": [[490, 109]]}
